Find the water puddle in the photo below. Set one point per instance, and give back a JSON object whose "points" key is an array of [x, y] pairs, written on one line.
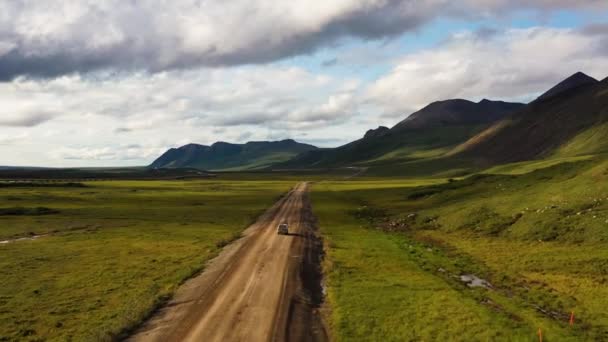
{"points": [[27, 238], [474, 281]]}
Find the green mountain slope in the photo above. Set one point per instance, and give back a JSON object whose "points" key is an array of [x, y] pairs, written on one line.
{"points": [[537, 236], [225, 156], [577, 80], [569, 122], [430, 132]]}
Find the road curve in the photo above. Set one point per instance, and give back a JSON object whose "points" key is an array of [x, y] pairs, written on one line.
{"points": [[263, 287]]}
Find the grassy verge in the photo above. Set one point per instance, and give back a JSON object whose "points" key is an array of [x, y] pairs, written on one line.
{"points": [[115, 250], [396, 254], [378, 292]]}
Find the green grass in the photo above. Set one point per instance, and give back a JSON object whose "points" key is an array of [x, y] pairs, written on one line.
{"points": [[245, 157], [413, 145], [378, 292], [538, 234], [395, 248], [524, 167], [591, 140], [397, 153], [116, 250], [261, 162]]}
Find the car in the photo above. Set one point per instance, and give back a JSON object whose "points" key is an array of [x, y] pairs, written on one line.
{"points": [[283, 229]]}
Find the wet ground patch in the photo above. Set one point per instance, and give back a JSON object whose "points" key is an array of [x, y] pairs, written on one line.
{"points": [[16, 211]]}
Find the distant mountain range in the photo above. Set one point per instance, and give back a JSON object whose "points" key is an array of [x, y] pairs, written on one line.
{"points": [[430, 131], [570, 118], [457, 112], [226, 156], [577, 80]]}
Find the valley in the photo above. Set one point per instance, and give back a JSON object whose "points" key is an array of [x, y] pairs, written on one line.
{"points": [[303, 171], [466, 221], [396, 253], [113, 251]]}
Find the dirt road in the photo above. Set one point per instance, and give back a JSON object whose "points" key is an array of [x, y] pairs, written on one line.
{"points": [[263, 287]]}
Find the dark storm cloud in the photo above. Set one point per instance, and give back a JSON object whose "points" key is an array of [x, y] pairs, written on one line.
{"points": [[16, 63], [57, 37], [138, 37]]}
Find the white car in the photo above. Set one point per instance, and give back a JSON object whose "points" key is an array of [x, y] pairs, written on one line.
{"points": [[283, 229]]}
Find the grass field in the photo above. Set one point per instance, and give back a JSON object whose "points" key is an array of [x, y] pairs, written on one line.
{"points": [[114, 251], [401, 253], [396, 251]]}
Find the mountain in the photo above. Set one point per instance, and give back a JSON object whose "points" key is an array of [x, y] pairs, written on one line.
{"points": [[457, 112], [373, 133], [180, 157], [569, 119], [577, 80], [227, 156], [431, 131]]}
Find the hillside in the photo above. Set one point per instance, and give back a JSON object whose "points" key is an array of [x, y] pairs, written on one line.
{"points": [[535, 242], [457, 112], [227, 156], [429, 132], [569, 119], [577, 80]]}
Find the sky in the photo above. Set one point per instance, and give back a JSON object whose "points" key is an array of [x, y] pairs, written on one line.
{"points": [[117, 82]]}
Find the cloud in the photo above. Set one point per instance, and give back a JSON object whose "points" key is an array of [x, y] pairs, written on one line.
{"points": [[15, 138], [27, 118], [337, 107], [322, 141], [252, 95], [245, 136], [595, 29], [157, 35], [515, 64], [58, 37], [330, 62], [502, 5], [94, 119], [116, 82], [107, 153]]}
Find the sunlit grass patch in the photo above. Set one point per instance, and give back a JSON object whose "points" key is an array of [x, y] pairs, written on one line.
{"points": [[114, 251], [538, 237]]}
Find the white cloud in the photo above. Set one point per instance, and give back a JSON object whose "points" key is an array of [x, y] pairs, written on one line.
{"points": [[25, 118], [511, 65], [221, 96], [107, 153], [113, 74], [14, 138], [337, 107], [93, 116]]}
